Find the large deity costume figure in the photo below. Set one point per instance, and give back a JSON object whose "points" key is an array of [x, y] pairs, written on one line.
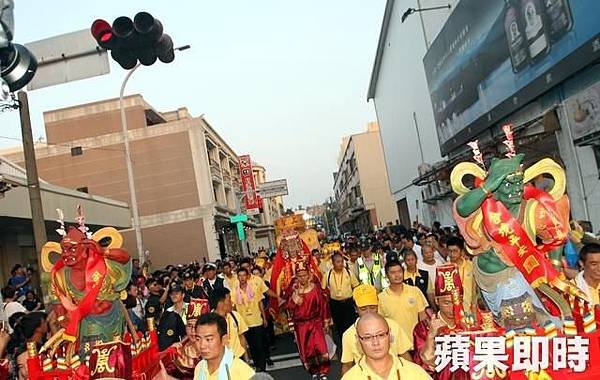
{"points": [[86, 284], [516, 232]]}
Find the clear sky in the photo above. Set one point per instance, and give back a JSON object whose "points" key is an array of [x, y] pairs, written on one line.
{"points": [[280, 80]]}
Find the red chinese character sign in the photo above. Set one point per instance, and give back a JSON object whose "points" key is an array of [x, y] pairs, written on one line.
{"points": [[251, 199]]}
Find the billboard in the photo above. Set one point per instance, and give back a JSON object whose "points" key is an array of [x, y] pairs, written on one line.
{"points": [[248, 187], [492, 57]]}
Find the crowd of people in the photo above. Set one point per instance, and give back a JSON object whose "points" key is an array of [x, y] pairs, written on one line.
{"points": [[375, 299]]}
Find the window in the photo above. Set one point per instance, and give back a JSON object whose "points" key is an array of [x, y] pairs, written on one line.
{"points": [[76, 151]]}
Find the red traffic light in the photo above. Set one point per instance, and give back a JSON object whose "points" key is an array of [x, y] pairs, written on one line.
{"points": [[102, 33]]}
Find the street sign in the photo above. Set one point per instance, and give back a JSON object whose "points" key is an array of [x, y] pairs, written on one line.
{"points": [[239, 220], [273, 189], [66, 58]]}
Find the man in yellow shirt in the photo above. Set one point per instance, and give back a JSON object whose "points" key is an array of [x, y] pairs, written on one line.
{"points": [[365, 297], [377, 363], [340, 282], [220, 303], [218, 361], [405, 304], [457, 255], [247, 298]]}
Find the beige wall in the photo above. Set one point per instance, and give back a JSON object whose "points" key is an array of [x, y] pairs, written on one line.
{"points": [[174, 243], [374, 183]]}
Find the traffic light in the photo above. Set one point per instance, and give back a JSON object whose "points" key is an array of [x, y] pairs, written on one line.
{"points": [[129, 41], [17, 64]]}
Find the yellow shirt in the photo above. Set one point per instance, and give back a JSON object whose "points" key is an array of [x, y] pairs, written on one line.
{"points": [[230, 282], [414, 277], [238, 371], [352, 351], [403, 308], [402, 369], [465, 271], [249, 309], [340, 285], [234, 330], [258, 283], [324, 267]]}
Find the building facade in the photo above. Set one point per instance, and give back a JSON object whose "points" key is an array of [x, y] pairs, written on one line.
{"points": [[361, 185], [186, 175], [272, 208], [475, 68]]}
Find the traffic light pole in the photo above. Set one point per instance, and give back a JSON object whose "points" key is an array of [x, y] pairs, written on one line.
{"points": [[134, 205], [33, 184]]}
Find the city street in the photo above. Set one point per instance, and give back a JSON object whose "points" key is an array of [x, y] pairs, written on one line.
{"points": [[287, 361]]}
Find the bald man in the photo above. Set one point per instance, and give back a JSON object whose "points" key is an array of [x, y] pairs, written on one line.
{"points": [[374, 335]]}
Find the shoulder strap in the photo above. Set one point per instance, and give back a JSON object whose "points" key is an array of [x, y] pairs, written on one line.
{"points": [[237, 325]]}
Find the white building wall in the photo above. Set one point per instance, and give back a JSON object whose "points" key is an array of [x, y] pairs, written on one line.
{"points": [[401, 91]]}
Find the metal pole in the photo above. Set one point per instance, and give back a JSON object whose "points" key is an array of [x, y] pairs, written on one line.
{"points": [[418, 137], [134, 205], [33, 183], [423, 25]]}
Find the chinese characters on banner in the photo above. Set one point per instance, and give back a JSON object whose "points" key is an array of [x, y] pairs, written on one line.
{"points": [[251, 199], [529, 353]]}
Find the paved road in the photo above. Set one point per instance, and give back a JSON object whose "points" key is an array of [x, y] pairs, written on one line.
{"points": [[287, 362]]}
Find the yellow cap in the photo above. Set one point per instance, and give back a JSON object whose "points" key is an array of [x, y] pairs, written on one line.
{"points": [[365, 295]]}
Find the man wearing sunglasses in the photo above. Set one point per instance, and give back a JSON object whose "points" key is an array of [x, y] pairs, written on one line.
{"points": [[365, 298], [378, 363]]}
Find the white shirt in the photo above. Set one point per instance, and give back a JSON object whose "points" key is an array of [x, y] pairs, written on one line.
{"points": [[10, 308], [430, 269]]}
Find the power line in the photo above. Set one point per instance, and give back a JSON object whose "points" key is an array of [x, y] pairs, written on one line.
{"points": [[65, 145]]}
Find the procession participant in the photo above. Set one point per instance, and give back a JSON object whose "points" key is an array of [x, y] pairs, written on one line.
{"points": [[409, 243], [211, 282], [365, 298], [218, 362], [220, 303], [429, 262], [190, 289], [588, 279], [10, 304], [340, 282], [247, 298], [370, 269], [373, 333], [447, 294], [414, 276], [229, 277], [403, 303], [178, 304], [171, 326], [307, 305], [353, 255], [156, 299], [457, 255], [257, 282], [180, 359]]}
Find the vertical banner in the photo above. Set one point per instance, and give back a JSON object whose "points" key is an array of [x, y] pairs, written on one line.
{"points": [[248, 187]]}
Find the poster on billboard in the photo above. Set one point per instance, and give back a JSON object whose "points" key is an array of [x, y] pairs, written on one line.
{"points": [[251, 200], [583, 111], [493, 57]]}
